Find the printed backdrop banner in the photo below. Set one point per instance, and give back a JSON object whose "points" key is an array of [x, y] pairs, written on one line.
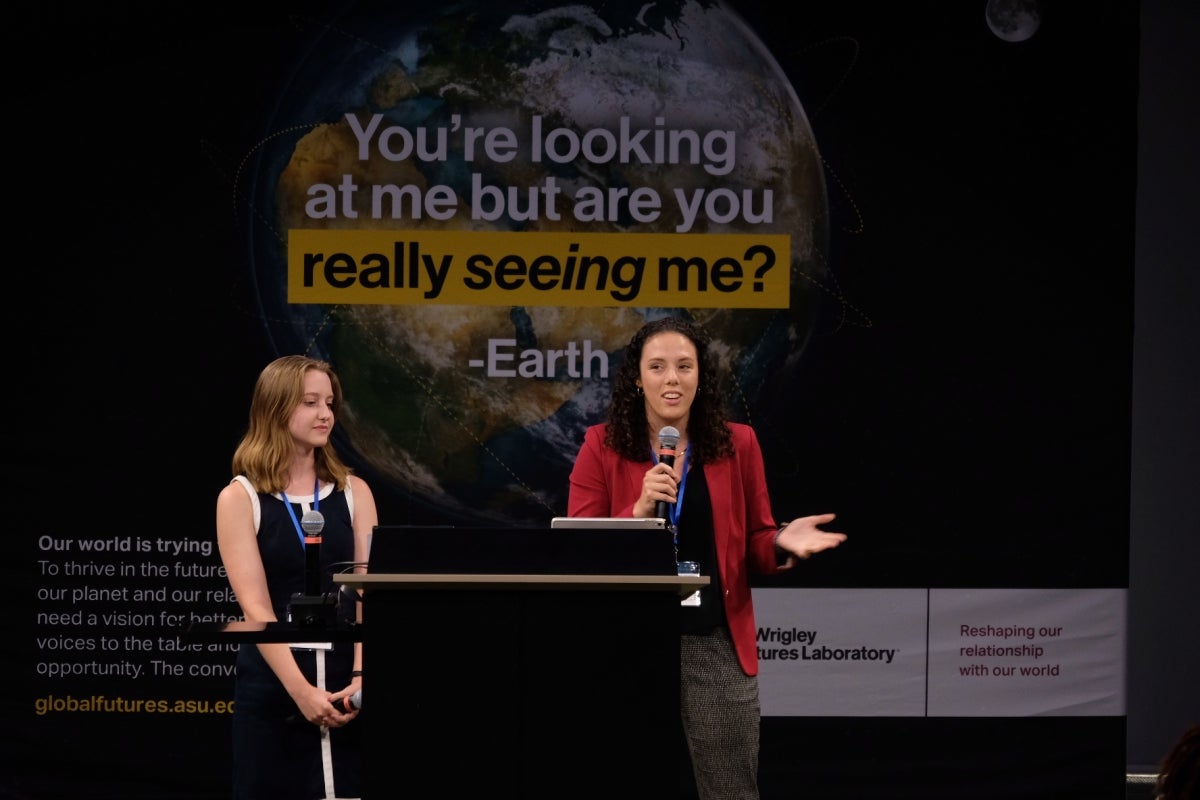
{"points": [[908, 234]]}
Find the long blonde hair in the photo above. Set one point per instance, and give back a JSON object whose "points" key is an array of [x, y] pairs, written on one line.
{"points": [[266, 450]]}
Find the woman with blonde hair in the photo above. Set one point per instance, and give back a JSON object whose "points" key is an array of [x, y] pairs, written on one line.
{"points": [[293, 731]]}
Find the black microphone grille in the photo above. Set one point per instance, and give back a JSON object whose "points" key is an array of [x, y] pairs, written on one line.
{"points": [[312, 522], [668, 438]]}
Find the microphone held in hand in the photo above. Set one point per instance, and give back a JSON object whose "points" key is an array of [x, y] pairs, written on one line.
{"points": [[668, 440], [348, 704]]}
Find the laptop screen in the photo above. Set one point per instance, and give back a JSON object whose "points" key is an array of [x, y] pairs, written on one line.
{"points": [[598, 549]]}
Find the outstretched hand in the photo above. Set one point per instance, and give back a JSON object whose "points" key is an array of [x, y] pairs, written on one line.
{"points": [[802, 537]]}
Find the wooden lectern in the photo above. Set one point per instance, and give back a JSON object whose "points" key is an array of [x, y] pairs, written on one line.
{"points": [[526, 673]]}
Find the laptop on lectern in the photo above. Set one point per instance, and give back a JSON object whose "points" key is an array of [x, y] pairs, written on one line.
{"points": [[610, 523], [603, 547]]}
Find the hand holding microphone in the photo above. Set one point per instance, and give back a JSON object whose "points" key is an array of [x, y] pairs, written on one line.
{"points": [[347, 705], [311, 712], [668, 440]]}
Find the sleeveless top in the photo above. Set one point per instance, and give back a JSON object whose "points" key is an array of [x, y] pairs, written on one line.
{"points": [[276, 752], [281, 545]]}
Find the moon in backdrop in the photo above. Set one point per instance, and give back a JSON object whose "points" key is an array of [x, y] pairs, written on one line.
{"points": [[1013, 20]]}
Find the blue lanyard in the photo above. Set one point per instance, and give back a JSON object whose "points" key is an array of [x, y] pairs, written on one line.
{"points": [[675, 510], [317, 507]]}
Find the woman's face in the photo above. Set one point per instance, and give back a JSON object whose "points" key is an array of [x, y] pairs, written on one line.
{"points": [[312, 421], [669, 374]]}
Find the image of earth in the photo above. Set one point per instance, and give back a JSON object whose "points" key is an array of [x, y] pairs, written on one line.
{"points": [[422, 418]]}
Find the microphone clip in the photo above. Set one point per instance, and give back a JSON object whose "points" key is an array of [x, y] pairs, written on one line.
{"points": [[313, 610]]}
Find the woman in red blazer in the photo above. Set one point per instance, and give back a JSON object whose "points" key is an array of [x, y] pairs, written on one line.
{"points": [[714, 492]]}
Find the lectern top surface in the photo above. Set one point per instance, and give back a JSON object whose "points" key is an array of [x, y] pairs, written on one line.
{"points": [[610, 523], [522, 550]]}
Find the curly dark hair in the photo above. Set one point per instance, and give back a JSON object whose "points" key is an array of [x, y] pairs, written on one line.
{"points": [[708, 435], [1179, 776]]}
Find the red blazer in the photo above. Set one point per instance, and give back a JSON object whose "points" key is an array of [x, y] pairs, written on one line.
{"points": [[603, 484]]}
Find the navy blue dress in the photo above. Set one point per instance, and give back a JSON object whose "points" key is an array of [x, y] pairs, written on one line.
{"points": [[277, 754]]}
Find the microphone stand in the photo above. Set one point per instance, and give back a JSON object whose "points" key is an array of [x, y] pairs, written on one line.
{"points": [[313, 608]]}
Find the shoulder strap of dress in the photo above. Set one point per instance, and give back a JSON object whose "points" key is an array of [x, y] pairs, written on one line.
{"points": [[250, 490], [350, 500]]}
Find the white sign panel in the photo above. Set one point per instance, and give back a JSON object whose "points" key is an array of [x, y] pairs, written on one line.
{"points": [[1026, 652], [941, 652], [841, 652]]}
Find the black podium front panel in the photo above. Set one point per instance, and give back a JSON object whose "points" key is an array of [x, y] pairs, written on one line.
{"points": [[521, 693]]}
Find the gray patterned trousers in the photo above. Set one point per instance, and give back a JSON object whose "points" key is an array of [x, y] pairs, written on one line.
{"points": [[718, 704]]}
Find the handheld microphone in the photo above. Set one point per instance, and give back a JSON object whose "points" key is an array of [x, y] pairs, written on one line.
{"points": [[668, 439], [344, 705], [348, 704], [312, 523]]}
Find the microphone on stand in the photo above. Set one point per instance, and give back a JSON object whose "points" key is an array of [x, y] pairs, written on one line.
{"points": [[312, 607], [312, 523], [668, 439]]}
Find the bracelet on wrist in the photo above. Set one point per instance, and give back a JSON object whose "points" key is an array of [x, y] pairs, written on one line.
{"points": [[356, 673]]}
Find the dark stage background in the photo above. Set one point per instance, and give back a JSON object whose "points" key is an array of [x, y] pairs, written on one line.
{"points": [[988, 372]]}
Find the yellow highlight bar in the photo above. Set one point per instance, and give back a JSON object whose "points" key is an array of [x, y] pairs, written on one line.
{"points": [[489, 268]]}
